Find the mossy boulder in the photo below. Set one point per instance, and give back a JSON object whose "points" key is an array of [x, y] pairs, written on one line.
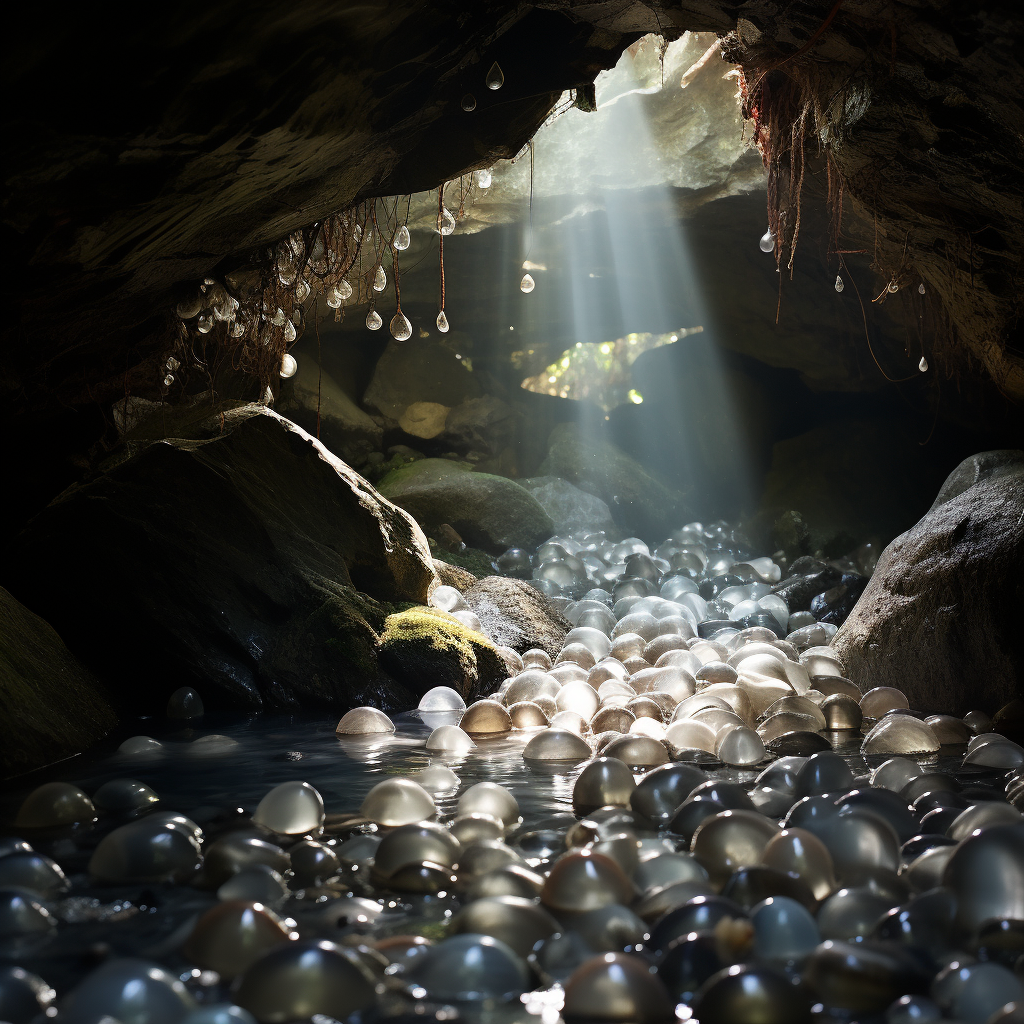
{"points": [[425, 647], [487, 511], [245, 559], [638, 502], [50, 706]]}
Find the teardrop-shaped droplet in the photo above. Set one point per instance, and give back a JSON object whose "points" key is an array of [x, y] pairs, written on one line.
{"points": [[483, 178], [169, 380], [893, 287], [288, 365], [289, 331], [401, 329], [373, 320], [839, 283], [442, 322], [205, 324], [495, 79], [923, 365], [920, 288], [402, 239], [469, 102], [768, 241], [380, 279], [527, 284], [343, 288], [301, 290], [445, 221]]}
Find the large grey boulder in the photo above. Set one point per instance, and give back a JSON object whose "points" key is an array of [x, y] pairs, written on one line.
{"points": [[244, 558], [50, 706], [570, 508], [515, 614], [487, 511], [941, 617]]}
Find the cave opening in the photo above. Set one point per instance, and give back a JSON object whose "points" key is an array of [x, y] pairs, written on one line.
{"points": [[514, 515]]}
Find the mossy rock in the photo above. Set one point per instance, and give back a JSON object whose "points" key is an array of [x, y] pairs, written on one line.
{"points": [[487, 511], [424, 647], [50, 706], [637, 501], [473, 560]]}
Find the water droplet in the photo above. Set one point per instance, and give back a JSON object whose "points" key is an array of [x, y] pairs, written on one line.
{"points": [[301, 291], [288, 365], [238, 328], [923, 365], [893, 288], [278, 318], [483, 178], [527, 284], [343, 288], [402, 239], [287, 272], [768, 241], [189, 307], [401, 329], [920, 288], [380, 279], [495, 79], [205, 324], [445, 221], [839, 283], [442, 322], [169, 380], [469, 102], [373, 320], [172, 363], [289, 331]]}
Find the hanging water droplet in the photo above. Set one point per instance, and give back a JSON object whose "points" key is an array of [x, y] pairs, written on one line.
{"points": [[768, 241], [168, 380], [923, 365], [189, 307], [287, 272], [289, 331], [238, 328], [288, 365], [483, 178], [278, 318], [373, 320], [495, 79], [205, 324], [172, 364], [302, 290], [445, 221], [920, 288], [344, 289], [442, 322], [380, 279], [839, 283], [893, 288], [527, 284], [469, 102], [402, 239], [401, 329]]}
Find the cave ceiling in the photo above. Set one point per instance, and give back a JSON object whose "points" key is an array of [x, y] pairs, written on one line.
{"points": [[151, 150]]}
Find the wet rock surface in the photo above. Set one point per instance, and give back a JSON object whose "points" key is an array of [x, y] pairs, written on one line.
{"points": [[252, 560], [936, 618], [515, 614]]}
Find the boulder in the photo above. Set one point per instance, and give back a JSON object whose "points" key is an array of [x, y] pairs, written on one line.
{"points": [[639, 503], [427, 371], [426, 647], [485, 424], [245, 558], [344, 428], [487, 511], [517, 615], [50, 706], [940, 618], [424, 419], [570, 508]]}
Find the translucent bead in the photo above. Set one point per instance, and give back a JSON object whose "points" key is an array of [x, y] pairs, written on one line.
{"points": [[205, 324], [398, 802], [364, 721], [380, 279], [288, 365], [784, 929], [920, 288], [441, 698], [585, 881], [124, 795], [483, 178], [168, 380], [556, 745], [730, 840], [527, 284], [442, 322], [414, 843], [767, 241], [401, 329], [470, 968], [495, 79], [606, 781], [469, 102], [839, 283], [892, 288], [301, 290], [141, 746], [343, 289], [437, 778], [129, 990], [490, 798], [291, 809], [219, 1013], [402, 239], [53, 804], [185, 703], [900, 734], [157, 848], [289, 332], [190, 307], [450, 739], [445, 221], [232, 935], [373, 320], [923, 365], [620, 984]]}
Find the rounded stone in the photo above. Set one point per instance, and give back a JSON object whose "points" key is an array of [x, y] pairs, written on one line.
{"points": [[900, 734], [23, 996], [526, 714], [661, 791], [185, 703], [730, 840], [585, 880], [986, 871], [490, 798], [638, 751], [233, 935], [470, 968], [485, 717], [124, 795], [751, 994], [605, 782], [451, 740], [54, 804], [291, 808], [518, 922], [149, 850], [616, 987], [396, 802], [556, 745], [364, 721], [132, 992], [784, 929]]}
